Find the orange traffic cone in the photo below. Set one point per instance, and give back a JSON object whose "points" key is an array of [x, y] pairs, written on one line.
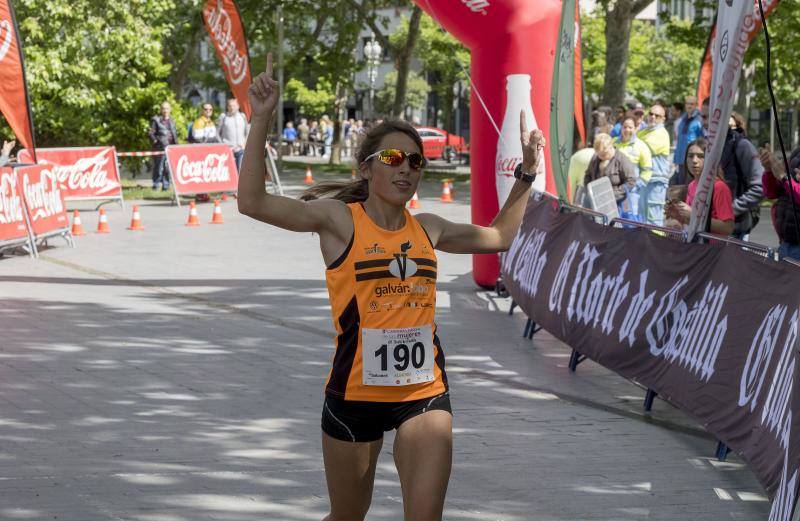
{"points": [[414, 204], [446, 197], [136, 220], [452, 187], [353, 175], [217, 217], [102, 224], [77, 226], [224, 197], [309, 180], [194, 220]]}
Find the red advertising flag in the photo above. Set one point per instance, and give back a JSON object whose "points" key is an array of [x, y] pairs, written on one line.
{"points": [[224, 26], [578, 89], [44, 200], [200, 169], [12, 220], [14, 102], [706, 67], [83, 173]]}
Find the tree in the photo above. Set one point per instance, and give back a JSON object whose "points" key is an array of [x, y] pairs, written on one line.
{"points": [[670, 77], [619, 15], [416, 95], [404, 59], [311, 102], [95, 70]]}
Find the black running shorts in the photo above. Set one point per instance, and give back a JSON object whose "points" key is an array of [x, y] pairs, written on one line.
{"points": [[367, 421]]}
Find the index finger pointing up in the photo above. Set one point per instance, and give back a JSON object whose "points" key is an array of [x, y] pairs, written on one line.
{"points": [[523, 126], [269, 64]]}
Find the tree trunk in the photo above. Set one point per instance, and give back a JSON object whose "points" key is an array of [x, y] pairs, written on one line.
{"points": [[403, 60], [182, 70], [448, 99], [618, 35], [338, 123]]}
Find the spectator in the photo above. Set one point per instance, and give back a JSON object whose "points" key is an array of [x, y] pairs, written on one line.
{"points": [[619, 116], [638, 117], [721, 211], [676, 113], [349, 134], [656, 137], [743, 173], [302, 135], [578, 164], [777, 186], [635, 150], [203, 128], [690, 128], [611, 163], [326, 129], [290, 136], [5, 152], [232, 128], [162, 134], [313, 137]]}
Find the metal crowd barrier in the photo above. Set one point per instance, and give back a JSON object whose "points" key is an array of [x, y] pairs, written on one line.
{"points": [[752, 247], [576, 358]]}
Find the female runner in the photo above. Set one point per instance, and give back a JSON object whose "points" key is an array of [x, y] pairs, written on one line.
{"points": [[388, 368]]}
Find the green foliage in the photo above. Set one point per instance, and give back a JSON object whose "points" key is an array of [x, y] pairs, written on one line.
{"points": [[95, 70], [313, 103], [416, 96], [783, 25], [660, 65]]}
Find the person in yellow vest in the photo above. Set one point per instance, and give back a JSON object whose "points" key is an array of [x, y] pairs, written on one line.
{"points": [[388, 367], [204, 130], [639, 154], [656, 137]]}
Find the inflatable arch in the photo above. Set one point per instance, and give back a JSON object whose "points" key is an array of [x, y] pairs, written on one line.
{"points": [[513, 46]]}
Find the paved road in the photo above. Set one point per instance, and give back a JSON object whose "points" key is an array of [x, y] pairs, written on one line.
{"points": [[176, 374]]}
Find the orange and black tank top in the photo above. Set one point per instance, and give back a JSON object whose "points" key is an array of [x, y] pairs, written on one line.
{"points": [[383, 298]]}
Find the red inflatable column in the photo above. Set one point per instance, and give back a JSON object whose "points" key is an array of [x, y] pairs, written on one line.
{"points": [[512, 44]]}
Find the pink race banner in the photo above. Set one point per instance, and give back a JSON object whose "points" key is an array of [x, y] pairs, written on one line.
{"points": [[13, 227], [82, 173], [44, 200], [201, 169]]}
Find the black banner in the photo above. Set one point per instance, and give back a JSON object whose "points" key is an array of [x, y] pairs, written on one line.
{"points": [[712, 328]]}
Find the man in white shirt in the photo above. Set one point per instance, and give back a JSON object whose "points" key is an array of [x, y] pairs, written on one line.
{"points": [[232, 128]]}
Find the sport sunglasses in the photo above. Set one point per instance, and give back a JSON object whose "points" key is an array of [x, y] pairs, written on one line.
{"points": [[395, 157]]}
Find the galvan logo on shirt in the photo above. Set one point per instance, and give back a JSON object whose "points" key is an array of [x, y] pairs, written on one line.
{"points": [[403, 267]]}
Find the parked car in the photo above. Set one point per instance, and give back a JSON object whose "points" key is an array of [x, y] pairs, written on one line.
{"points": [[440, 144]]}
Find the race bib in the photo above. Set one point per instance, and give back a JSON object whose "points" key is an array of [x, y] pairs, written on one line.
{"points": [[397, 357]]}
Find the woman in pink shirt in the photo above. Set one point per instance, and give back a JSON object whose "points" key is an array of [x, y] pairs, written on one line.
{"points": [[777, 186], [721, 198]]}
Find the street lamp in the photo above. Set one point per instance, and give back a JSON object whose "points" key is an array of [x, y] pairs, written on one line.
{"points": [[372, 52]]}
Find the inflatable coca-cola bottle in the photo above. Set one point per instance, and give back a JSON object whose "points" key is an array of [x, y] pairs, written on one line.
{"points": [[509, 148]]}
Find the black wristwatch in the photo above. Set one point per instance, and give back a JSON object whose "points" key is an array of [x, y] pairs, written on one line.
{"points": [[525, 177]]}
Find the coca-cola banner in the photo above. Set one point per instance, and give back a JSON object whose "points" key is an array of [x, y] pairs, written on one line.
{"points": [[12, 219], [224, 26], [14, 102], [712, 329], [82, 173], [512, 47], [44, 200], [200, 169]]}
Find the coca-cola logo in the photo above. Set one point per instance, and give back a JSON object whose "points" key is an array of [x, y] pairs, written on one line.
{"points": [[505, 165], [477, 6], [213, 168], [5, 38], [220, 25], [87, 173], [44, 196], [10, 201]]}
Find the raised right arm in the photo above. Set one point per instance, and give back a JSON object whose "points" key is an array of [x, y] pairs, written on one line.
{"points": [[254, 201]]}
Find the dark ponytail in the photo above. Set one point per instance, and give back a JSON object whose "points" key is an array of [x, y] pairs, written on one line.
{"points": [[358, 191]]}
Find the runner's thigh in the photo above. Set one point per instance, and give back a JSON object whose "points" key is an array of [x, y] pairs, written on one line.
{"points": [[423, 453], [350, 473]]}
